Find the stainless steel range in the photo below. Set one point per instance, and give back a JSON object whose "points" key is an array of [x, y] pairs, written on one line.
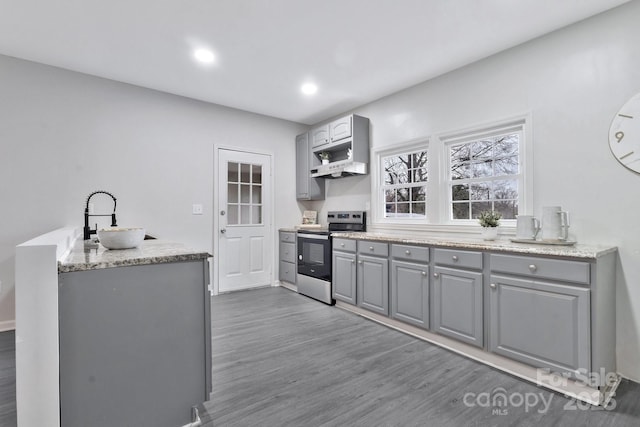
{"points": [[314, 253]]}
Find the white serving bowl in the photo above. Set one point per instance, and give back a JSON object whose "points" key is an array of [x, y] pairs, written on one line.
{"points": [[121, 238]]}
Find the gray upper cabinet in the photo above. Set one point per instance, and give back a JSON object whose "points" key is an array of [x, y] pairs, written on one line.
{"points": [[373, 277], [307, 188], [457, 304], [319, 136], [344, 270], [341, 128]]}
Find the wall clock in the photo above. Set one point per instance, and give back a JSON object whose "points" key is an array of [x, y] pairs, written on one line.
{"points": [[624, 134]]}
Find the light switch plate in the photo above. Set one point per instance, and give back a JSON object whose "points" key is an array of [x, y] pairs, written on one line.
{"points": [[197, 209]]}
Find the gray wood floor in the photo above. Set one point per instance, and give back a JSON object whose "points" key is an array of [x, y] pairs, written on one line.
{"points": [[281, 359]]}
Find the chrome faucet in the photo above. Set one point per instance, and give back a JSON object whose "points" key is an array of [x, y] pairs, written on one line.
{"points": [[88, 231]]}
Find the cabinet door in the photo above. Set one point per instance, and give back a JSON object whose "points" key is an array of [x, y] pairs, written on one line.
{"points": [[340, 129], [344, 277], [410, 293], [373, 284], [320, 136], [457, 304], [307, 188], [302, 167], [543, 324]]}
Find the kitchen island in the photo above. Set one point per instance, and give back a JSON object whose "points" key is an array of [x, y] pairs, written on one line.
{"points": [[115, 337]]}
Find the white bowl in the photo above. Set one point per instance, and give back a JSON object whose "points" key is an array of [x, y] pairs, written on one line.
{"points": [[121, 238]]}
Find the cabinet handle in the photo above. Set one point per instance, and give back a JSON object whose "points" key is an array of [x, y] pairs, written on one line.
{"points": [[533, 267], [342, 245], [359, 262], [436, 275], [370, 248], [408, 252], [455, 257], [424, 273], [353, 261], [492, 286]]}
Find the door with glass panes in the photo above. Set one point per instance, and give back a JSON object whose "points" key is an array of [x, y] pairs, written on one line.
{"points": [[244, 222]]}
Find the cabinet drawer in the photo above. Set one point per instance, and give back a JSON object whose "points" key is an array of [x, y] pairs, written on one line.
{"points": [[288, 252], [373, 248], [287, 236], [287, 272], [344, 245], [570, 271], [457, 258], [408, 252]]}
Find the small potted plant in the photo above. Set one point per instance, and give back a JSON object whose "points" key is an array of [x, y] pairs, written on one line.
{"points": [[489, 220], [324, 156]]}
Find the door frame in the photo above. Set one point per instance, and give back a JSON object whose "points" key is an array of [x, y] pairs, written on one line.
{"points": [[216, 208]]}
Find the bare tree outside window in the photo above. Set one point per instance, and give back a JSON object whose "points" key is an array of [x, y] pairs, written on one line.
{"points": [[484, 176], [404, 185]]}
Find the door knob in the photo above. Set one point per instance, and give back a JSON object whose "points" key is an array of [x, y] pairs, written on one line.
{"points": [[222, 230]]}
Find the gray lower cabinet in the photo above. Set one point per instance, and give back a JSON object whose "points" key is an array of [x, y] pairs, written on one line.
{"points": [[287, 261], [457, 304], [544, 324], [135, 344], [344, 274], [373, 277], [410, 292]]}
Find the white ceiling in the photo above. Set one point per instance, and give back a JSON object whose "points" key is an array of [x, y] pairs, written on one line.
{"points": [[355, 50]]}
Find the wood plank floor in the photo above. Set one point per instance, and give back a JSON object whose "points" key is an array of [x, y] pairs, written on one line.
{"points": [[281, 359]]}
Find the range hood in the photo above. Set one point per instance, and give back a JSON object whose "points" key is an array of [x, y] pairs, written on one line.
{"points": [[339, 169]]}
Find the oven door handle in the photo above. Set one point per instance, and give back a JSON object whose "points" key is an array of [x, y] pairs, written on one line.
{"points": [[313, 236]]}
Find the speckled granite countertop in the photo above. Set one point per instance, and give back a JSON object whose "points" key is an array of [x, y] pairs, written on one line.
{"points": [[93, 257], [577, 251]]}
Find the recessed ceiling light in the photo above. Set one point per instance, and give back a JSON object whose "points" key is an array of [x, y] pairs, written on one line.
{"points": [[309, 88], [204, 55]]}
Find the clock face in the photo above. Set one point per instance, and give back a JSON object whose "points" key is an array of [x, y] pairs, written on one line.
{"points": [[624, 134]]}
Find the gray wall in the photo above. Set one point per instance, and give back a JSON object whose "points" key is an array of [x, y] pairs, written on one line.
{"points": [[573, 82], [65, 134]]}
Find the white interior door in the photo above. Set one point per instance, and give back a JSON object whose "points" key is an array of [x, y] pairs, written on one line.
{"points": [[244, 220]]}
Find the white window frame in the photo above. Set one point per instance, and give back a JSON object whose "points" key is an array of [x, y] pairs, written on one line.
{"points": [[377, 175], [521, 125], [438, 184]]}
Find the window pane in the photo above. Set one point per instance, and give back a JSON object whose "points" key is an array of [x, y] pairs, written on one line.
{"points": [[419, 208], [505, 189], [461, 171], [245, 214], [507, 145], [256, 174], [481, 191], [232, 214], [482, 149], [256, 191], [482, 169], [402, 194], [390, 195], [460, 211], [478, 207], [506, 166], [245, 173], [508, 209], [232, 193], [232, 172], [245, 193], [390, 209], [460, 153], [256, 215], [403, 208], [418, 194], [460, 192], [396, 169]]}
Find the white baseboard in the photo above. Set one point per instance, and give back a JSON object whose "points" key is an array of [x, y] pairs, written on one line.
{"points": [[7, 325]]}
